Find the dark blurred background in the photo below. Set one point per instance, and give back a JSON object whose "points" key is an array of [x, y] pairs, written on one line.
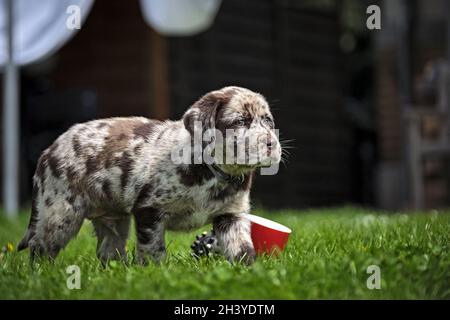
{"points": [[344, 94]]}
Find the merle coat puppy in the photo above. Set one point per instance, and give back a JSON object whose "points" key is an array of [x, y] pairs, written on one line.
{"points": [[111, 170]]}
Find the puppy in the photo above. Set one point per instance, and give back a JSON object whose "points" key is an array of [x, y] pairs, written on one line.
{"points": [[112, 169]]}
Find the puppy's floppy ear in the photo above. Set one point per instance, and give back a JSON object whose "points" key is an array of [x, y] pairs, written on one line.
{"points": [[205, 110], [189, 118]]}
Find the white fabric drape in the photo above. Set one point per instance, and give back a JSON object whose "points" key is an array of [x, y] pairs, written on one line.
{"points": [[39, 27]]}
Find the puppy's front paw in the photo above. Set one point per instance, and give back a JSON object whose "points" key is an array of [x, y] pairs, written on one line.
{"points": [[246, 255]]}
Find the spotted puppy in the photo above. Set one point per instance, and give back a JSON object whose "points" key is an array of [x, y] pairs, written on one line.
{"points": [[112, 169]]}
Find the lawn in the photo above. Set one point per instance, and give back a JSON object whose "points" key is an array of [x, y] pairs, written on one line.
{"points": [[326, 258]]}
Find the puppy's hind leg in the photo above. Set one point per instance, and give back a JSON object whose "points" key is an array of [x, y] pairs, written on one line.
{"points": [[112, 235], [59, 221]]}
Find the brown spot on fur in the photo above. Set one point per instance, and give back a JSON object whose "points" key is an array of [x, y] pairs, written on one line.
{"points": [[73, 179], [108, 163], [54, 162], [71, 199], [137, 149], [194, 174], [76, 145], [48, 202], [126, 165], [92, 165], [120, 133], [144, 130], [222, 124], [106, 188], [102, 125], [55, 166], [144, 193], [71, 173], [231, 188]]}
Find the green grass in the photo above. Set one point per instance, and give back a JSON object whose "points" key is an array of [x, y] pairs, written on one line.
{"points": [[326, 258]]}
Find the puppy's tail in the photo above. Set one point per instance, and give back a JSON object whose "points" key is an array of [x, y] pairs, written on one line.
{"points": [[23, 244]]}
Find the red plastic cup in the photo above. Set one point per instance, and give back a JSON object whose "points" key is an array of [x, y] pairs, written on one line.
{"points": [[268, 236]]}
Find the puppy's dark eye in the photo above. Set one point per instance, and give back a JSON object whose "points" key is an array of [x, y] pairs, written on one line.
{"points": [[239, 122], [269, 121]]}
